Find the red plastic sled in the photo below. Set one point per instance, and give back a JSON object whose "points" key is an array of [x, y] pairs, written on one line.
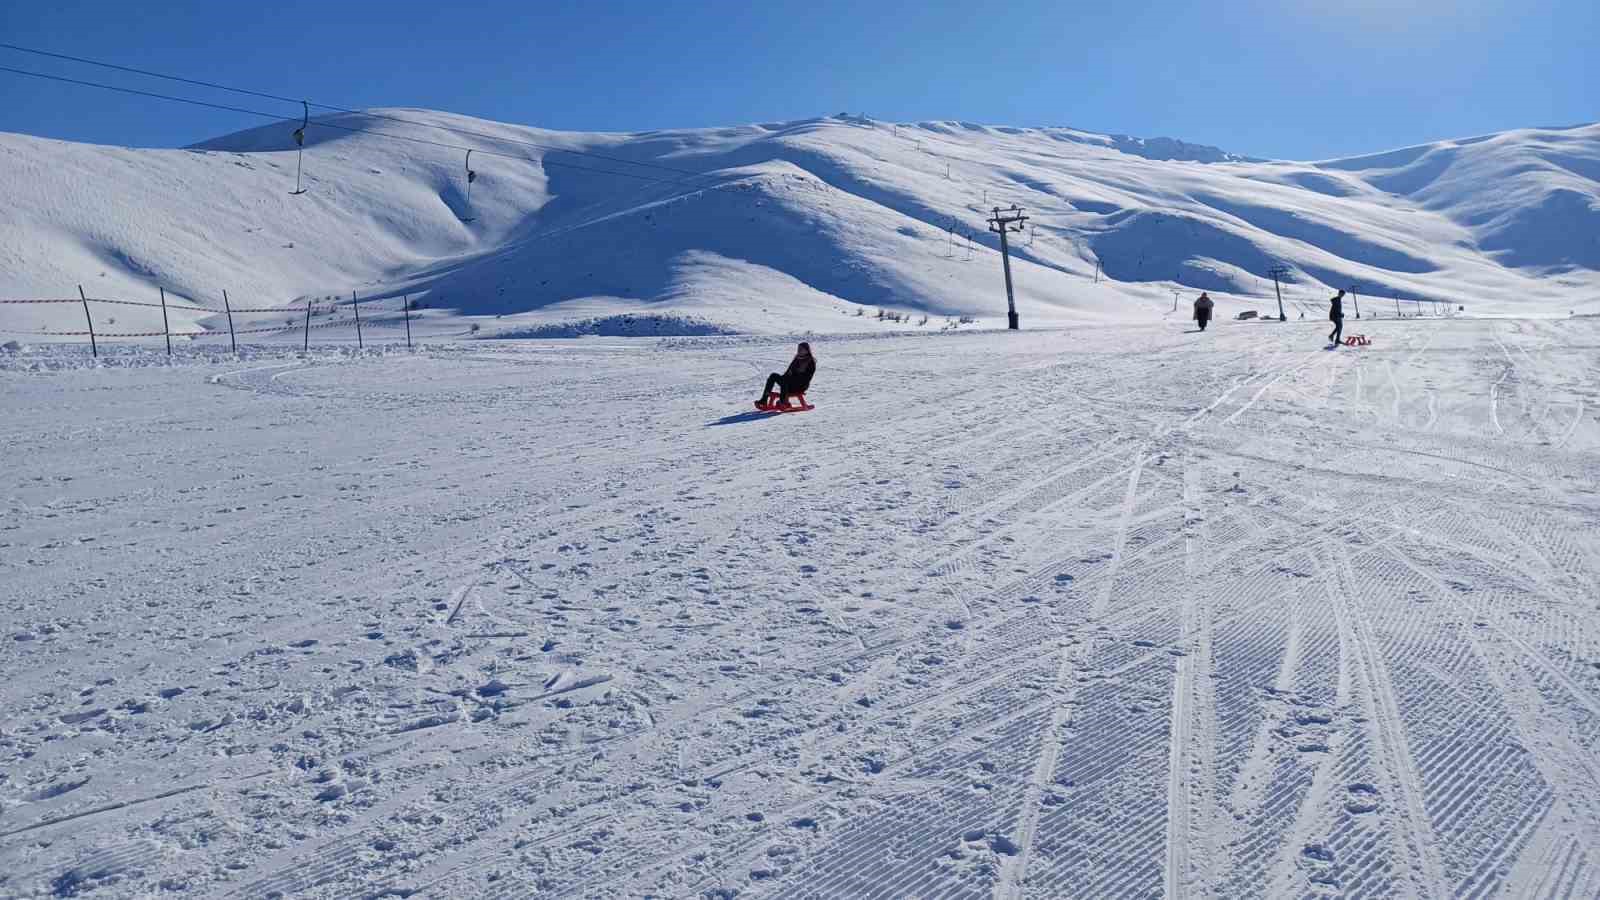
{"points": [[1357, 340], [772, 404]]}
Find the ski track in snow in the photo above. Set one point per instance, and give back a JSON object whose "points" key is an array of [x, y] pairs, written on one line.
{"points": [[1113, 613]]}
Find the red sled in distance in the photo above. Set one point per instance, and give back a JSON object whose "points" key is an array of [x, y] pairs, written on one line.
{"points": [[772, 404]]}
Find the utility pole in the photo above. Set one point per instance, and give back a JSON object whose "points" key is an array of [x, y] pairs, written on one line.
{"points": [[300, 147], [1355, 299], [1097, 270], [1278, 272], [1005, 221]]}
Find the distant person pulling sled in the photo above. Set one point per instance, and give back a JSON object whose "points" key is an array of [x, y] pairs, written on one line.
{"points": [[1202, 310], [794, 380], [1336, 315]]}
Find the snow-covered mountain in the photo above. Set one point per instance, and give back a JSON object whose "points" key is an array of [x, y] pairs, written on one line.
{"points": [[776, 226]]}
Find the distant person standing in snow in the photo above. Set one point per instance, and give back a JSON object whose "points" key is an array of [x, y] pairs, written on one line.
{"points": [[1336, 315], [1202, 310], [794, 380]]}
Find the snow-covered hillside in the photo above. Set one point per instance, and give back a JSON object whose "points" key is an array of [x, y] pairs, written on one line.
{"points": [[785, 226], [1154, 613]]}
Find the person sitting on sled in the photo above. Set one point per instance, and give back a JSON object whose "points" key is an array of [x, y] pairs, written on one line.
{"points": [[794, 380]]}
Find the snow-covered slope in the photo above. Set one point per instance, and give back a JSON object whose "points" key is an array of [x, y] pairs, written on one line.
{"points": [[1152, 614], [788, 225]]}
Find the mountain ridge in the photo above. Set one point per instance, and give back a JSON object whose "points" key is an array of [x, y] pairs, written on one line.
{"points": [[818, 218]]}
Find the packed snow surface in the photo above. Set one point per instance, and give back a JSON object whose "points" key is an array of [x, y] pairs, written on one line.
{"points": [[1115, 611], [779, 227]]}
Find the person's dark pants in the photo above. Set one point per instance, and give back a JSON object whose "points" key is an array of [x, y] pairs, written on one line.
{"points": [[1203, 320], [1338, 330], [776, 381]]}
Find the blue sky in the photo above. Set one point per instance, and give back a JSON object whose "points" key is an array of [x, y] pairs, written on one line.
{"points": [[1292, 79]]}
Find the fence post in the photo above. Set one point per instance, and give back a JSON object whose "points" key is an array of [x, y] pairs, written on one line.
{"points": [[166, 330], [231, 340], [93, 347], [405, 304], [306, 346], [357, 301]]}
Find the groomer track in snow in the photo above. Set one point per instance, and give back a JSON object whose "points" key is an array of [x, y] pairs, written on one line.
{"points": [[1119, 612]]}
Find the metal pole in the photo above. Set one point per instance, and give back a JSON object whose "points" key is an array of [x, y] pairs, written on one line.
{"points": [[93, 347], [1356, 299], [357, 301], [1005, 262], [405, 304], [1279, 291], [1397, 307], [165, 328], [1002, 223], [232, 341], [306, 347], [300, 146]]}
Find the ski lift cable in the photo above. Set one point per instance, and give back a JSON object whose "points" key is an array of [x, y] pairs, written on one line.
{"points": [[649, 181], [386, 134], [332, 108]]}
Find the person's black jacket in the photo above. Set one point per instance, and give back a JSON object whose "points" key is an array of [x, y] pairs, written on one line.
{"points": [[1335, 309], [798, 376]]}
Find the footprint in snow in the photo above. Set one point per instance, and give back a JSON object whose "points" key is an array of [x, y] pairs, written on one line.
{"points": [[1361, 798]]}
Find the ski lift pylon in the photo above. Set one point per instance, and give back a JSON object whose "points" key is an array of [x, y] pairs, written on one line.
{"points": [[300, 146], [471, 177]]}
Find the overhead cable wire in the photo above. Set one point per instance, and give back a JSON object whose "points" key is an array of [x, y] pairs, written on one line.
{"points": [[134, 71], [332, 108], [386, 134]]}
